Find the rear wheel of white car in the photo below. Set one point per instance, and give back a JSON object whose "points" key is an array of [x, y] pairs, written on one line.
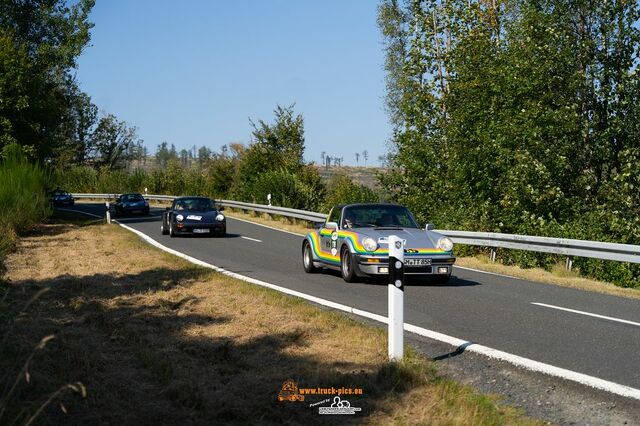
{"points": [[307, 259], [347, 267]]}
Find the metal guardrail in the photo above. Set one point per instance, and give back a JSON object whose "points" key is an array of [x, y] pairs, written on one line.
{"points": [[560, 246], [263, 208]]}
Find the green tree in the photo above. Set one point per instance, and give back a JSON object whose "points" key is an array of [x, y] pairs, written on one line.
{"points": [[39, 43], [111, 141]]}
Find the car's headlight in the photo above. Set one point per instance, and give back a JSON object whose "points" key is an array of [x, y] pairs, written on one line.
{"points": [[369, 244], [220, 217], [445, 244], [179, 218]]}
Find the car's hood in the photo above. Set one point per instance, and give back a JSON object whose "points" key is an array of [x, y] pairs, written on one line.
{"points": [[133, 203], [414, 238]]}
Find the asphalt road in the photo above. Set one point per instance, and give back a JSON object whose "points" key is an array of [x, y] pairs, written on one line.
{"points": [[488, 309]]}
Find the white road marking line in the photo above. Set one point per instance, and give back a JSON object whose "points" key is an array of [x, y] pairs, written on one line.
{"points": [[587, 313], [250, 239], [266, 226], [495, 273], [81, 212], [516, 360]]}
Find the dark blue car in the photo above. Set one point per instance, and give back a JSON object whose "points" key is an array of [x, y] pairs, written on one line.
{"points": [[193, 216]]}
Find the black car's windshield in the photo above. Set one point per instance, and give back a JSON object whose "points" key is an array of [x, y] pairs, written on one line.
{"points": [[195, 204], [132, 197], [379, 216]]}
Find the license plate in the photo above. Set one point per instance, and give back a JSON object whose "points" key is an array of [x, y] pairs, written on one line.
{"points": [[201, 231], [417, 262]]}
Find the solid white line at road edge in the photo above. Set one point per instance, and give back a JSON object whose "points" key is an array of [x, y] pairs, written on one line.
{"points": [[519, 361], [560, 308]]}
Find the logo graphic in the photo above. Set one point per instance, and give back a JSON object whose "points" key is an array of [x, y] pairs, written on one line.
{"points": [[398, 244], [289, 392], [339, 406]]}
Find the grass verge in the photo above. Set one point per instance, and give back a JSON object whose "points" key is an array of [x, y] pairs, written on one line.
{"points": [[154, 339]]}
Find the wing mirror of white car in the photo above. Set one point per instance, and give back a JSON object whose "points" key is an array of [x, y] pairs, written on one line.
{"points": [[429, 227], [331, 225]]}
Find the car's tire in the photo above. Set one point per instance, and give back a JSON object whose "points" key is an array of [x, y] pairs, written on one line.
{"points": [[145, 212], [172, 233], [307, 259], [347, 265], [163, 228], [440, 279]]}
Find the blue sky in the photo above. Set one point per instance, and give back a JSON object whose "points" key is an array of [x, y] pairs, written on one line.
{"points": [[194, 72]]}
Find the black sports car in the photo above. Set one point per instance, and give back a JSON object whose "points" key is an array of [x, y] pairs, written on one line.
{"points": [[59, 197], [131, 203], [193, 215]]}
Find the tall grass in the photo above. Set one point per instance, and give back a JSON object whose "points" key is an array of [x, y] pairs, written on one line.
{"points": [[23, 199]]}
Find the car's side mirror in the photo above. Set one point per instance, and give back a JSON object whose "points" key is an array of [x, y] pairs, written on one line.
{"points": [[331, 225], [221, 208], [429, 227]]}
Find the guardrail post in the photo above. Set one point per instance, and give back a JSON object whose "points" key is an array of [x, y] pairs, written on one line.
{"points": [[108, 214], [569, 264], [396, 298], [494, 253]]}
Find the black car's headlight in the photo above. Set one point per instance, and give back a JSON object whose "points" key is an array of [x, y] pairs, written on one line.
{"points": [[179, 218], [220, 217]]}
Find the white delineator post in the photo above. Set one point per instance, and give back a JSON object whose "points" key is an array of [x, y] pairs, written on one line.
{"points": [[108, 212], [396, 298]]}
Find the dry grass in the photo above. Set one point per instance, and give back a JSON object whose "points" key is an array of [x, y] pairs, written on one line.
{"points": [[300, 227], [557, 276], [156, 340]]}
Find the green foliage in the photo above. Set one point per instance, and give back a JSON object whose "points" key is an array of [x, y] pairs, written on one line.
{"points": [[39, 42], [23, 200], [342, 190], [517, 116]]}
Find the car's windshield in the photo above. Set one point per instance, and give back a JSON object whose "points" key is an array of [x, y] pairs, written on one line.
{"points": [[195, 204], [379, 216], [132, 197]]}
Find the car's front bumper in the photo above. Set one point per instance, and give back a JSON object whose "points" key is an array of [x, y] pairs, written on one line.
{"points": [[191, 228], [133, 209], [377, 265]]}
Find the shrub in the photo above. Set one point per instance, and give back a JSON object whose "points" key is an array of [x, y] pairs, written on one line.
{"points": [[23, 198]]}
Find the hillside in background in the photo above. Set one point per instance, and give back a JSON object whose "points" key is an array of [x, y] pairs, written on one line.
{"points": [[363, 175]]}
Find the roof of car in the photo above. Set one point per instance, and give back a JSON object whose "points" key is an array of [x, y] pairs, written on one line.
{"points": [[370, 205]]}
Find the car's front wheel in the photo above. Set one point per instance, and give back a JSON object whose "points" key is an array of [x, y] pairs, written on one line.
{"points": [[163, 227], [172, 232], [307, 259], [347, 265]]}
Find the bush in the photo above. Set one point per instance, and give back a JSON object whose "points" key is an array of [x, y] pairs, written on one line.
{"points": [[342, 190], [23, 198]]}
